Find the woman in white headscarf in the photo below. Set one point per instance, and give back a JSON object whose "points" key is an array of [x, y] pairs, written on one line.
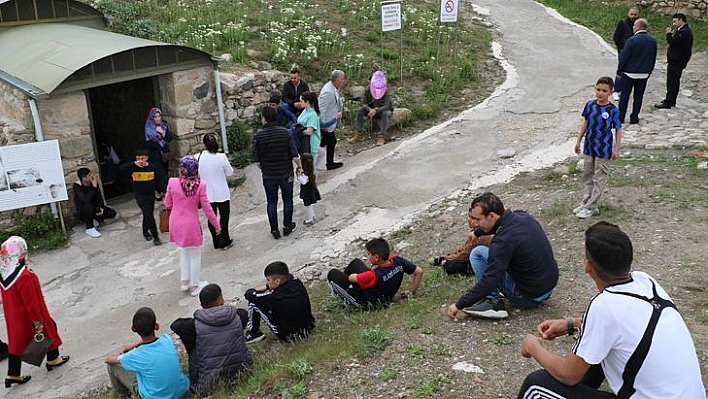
{"points": [[26, 312]]}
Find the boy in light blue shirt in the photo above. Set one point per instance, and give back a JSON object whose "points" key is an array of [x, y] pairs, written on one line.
{"points": [[151, 363]]}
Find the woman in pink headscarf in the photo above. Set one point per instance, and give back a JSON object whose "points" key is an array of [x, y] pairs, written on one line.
{"points": [[26, 313], [375, 105], [184, 195]]}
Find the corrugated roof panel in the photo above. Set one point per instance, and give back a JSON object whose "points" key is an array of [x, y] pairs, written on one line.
{"points": [[46, 54]]}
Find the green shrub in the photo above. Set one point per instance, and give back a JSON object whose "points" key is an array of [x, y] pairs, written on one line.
{"points": [[41, 231], [237, 137]]}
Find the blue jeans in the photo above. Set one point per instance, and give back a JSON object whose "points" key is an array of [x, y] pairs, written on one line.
{"points": [[479, 258], [271, 185]]}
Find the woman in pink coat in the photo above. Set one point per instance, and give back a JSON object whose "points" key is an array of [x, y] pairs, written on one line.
{"points": [[184, 194]]}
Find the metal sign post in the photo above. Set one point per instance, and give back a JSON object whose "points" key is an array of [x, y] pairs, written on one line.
{"points": [[390, 21]]}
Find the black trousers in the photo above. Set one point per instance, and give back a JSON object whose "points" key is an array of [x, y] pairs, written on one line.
{"points": [[673, 83], [88, 213], [629, 85], [540, 384], [146, 203], [329, 140], [223, 210], [341, 279]]}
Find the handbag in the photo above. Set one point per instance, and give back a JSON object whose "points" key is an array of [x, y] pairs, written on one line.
{"points": [[165, 220], [36, 349]]}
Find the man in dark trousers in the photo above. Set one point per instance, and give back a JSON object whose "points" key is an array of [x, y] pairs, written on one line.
{"points": [[636, 63], [623, 32], [518, 262], [678, 54], [274, 152], [90, 207]]}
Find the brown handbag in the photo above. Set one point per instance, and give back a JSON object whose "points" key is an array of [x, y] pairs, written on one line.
{"points": [[165, 220], [36, 349]]}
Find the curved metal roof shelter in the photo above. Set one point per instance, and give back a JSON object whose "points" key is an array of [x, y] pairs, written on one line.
{"points": [[43, 57]]}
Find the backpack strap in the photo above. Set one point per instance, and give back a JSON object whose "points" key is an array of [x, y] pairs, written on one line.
{"points": [[631, 369]]}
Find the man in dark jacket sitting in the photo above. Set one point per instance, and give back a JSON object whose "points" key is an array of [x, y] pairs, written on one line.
{"points": [[518, 262], [214, 341]]}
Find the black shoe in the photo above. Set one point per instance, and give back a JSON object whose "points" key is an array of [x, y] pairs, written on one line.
{"points": [[663, 105], [253, 337], [634, 121], [24, 379], [156, 241], [289, 229], [51, 367], [335, 165], [276, 234], [148, 236], [488, 308], [228, 245]]}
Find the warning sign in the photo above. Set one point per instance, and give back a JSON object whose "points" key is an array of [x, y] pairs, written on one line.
{"points": [[390, 17], [448, 10]]}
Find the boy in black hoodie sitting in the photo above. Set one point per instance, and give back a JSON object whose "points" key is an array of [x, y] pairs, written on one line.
{"points": [[283, 304]]}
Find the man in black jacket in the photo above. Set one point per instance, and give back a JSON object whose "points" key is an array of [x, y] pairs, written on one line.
{"points": [[282, 303], [636, 63], [89, 202], [274, 152], [292, 89], [623, 31], [214, 341], [678, 54], [519, 261]]}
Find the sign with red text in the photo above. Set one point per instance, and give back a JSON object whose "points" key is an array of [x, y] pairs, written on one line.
{"points": [[448, 10], [390, 16]]}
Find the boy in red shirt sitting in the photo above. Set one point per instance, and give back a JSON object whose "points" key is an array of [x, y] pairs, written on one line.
{"points": [[361, 287]]}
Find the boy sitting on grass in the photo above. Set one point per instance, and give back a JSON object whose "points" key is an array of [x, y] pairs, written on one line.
{"points": [[282, 303], [152, 361], [362, 287]]}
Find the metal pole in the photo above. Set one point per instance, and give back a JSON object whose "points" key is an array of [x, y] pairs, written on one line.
{"points": [[220, 107], [39, 135]]}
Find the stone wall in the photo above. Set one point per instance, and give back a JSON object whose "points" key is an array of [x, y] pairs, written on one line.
{"points": [[15, 116], [692, 8]]}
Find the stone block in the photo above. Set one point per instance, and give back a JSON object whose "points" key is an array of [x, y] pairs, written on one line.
{"points": [[400, 115], [75, 147], [181, 126]]}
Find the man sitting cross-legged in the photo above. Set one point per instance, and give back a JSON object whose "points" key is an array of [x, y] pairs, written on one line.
{"points": [[631, 333], [214, 341]]}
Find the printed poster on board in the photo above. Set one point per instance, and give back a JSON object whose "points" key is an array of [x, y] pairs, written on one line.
{"points": [[31, 174]]}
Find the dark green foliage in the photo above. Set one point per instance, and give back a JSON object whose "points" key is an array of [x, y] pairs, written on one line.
{"points": [[42, 231]]}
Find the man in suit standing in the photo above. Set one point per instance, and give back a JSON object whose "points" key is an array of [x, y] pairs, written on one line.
{"points": [[623, 32], [636, 63], [331, 107], [678, 54]]}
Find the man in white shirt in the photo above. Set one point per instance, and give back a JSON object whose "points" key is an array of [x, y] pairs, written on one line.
{"points": [[631, 334]]}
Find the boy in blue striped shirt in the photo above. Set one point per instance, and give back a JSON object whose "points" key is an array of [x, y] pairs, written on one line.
{"points": [[600, 118]]}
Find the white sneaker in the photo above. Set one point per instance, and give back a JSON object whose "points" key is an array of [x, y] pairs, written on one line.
{"points": [[200, 287], [578, 209], [586, 213], [615, 96], [93, 232]]}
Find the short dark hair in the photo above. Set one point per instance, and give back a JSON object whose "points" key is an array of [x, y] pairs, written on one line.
{"points": [[142, 152], [380, 247], [606, 80], [209, 295], [295, 70], [144, 321], [269, 114], [680, 16], [489, 203], [211, 143], [277, 269], [609, 250], [83, 172]]}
